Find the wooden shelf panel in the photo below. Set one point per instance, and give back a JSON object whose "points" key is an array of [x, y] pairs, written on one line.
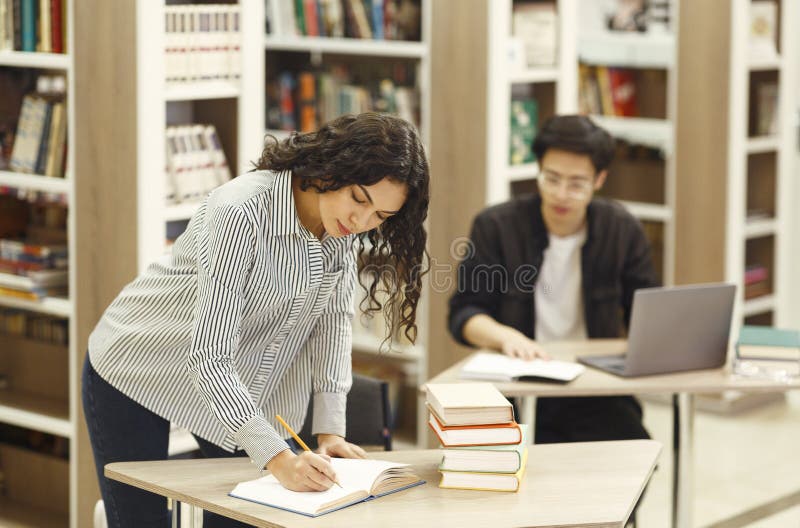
{"points": [[526, 171], [35, 182], [57, 306], [347, 46], [48, 415], [656, 133], [201, 90], [632, 50], [760, 228], [181, 211], [16, 515], [27, 59], [534, 75]]}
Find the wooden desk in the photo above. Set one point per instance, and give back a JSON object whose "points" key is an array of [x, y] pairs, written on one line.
{"points": [[593, 382], [589, 484]]}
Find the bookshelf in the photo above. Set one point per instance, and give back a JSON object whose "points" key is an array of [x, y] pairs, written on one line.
{"points": [[748, 211], [41, 396], [642, 176], [366, 61]]}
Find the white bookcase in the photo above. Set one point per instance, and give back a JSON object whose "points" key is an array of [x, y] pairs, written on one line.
{"points": [[656, 51], [311, 52], [53, 477], [559, 83], [762, 168]]}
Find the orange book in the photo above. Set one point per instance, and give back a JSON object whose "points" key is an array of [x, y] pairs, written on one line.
{"points": [[308, 107], [474, 435]]}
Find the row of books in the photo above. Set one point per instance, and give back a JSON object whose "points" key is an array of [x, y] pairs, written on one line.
{"points": [[305, 100], [361, 19], [483, 448], [196, 163], [32, 271], [203, 43], [38, 327], [40, 139], [33, 25], [607, 91]]}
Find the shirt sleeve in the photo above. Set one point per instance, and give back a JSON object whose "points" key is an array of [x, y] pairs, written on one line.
{"points": [[330, 345], [225, 257], [638, 270], [474, 293]]}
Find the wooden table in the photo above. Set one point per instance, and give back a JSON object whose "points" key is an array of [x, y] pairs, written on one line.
{"points": [[683, 386], [587, 484]]}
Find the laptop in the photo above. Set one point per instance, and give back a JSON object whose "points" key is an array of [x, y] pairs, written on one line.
{"points": [[673, 329]]}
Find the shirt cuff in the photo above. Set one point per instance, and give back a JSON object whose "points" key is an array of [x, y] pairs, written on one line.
{"points": [[329, 413], [460, 318], [259, 439]]}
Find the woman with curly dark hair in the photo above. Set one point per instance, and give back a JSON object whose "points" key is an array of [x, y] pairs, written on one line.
{"points": [[250, 315]]}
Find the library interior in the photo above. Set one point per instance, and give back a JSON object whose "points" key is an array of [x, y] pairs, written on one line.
{"points": [[537, 247]]}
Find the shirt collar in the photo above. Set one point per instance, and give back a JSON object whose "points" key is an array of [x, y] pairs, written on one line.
{"points": [[283, 213]]}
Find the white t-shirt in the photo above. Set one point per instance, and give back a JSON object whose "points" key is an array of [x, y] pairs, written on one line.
{"points": [[559, 292]]}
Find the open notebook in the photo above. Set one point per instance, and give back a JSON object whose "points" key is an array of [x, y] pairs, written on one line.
{"points": [[498, 367], [361, 480]]}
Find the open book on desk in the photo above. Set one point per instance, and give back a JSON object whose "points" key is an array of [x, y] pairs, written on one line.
{"points": [[499, 367], [361, 480]]}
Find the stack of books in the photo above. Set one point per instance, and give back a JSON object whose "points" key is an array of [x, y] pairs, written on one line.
{"points": [[483, 448], [32, 271]]}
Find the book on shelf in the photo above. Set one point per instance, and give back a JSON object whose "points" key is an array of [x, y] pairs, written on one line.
{"points": [[536, 24], [360, 479], [468, 404], [766, 109], [757, 289], [474, 435], [40, 138], [499, 367], [755, 273], [485, 481], [628, 15], [487, 458], [524, 117], [763, 30]]}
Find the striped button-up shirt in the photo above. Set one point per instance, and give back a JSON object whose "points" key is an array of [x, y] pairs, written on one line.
{"points": [[247, 317]]}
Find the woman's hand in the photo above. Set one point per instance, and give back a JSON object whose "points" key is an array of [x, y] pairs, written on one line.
{"points": [[304, 472], [336, 446]]}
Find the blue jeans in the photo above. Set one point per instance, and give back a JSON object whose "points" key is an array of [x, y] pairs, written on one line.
{"points": [[122, 430]]}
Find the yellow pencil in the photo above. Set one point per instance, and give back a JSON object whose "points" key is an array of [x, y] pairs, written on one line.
{"points": [[297, 439]]}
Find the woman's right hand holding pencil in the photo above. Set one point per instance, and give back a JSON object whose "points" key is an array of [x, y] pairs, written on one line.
{"points": [[307, 471]]}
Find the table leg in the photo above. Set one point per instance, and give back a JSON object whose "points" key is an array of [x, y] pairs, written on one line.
{"points": [[528, 415], [176, 513], [683, 459]]}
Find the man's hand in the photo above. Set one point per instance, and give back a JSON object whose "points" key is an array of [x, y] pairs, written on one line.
{"points": [[336, 446], [517, 344], [304, 472]]}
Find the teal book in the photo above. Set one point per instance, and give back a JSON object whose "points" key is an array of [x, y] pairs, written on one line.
{"points": [[764, 342], [28, 20], [487, 459], [524, 117]]}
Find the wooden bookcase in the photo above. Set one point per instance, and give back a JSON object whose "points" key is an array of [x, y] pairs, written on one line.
{"points": [[41, 396], [745, 208]]}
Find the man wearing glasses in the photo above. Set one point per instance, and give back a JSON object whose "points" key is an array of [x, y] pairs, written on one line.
{"points": [[559, 265]]}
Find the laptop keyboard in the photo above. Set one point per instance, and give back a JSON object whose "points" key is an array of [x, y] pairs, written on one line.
{"points": [[615, 362]]}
